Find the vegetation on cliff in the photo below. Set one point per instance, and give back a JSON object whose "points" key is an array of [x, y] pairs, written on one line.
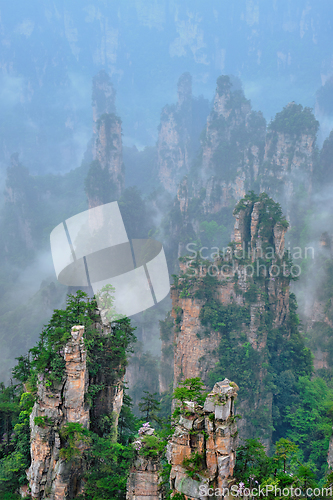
{"points": [[274, 370], [295, 121], [107, 359], [275, 366]]}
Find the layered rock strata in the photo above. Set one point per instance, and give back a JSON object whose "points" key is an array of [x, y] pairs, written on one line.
{"points": [[50, 476], [207, 437], [290, 155], [174, 141], [144, 481], [105, 179], [251, 277], [103, 97]]}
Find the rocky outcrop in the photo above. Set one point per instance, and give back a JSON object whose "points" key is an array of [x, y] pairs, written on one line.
{"points": [[103, 97], [289, 157], [232, 148], [105, 179], [144, 481], [62, 415], [174, 141], [202, 449], [49, 475], [192, 351], [178, 135], [227, 166], [239, 279]]}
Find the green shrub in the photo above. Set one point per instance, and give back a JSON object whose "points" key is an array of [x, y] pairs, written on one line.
{"points": [[42, 421], [152, 447], [73, 435], [194, 464]]}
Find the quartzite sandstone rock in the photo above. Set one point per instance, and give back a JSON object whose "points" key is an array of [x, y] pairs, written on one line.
{"points": [[288, 162], [196, 349], [51, 477], [211, 432], [144, 481], [106, 145], [103, 97], [174, 141]]}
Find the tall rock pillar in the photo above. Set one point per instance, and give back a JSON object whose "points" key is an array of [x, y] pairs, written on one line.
{"points": [[105, 179], [50, 476], [202, 450]]}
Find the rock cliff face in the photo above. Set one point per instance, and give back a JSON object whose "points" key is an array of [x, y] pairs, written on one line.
{"points": [[103, 97], [173, 145], [202, 450], [178, 134], [144, 481], [227, 166], [108, 149], [318, 317], [290, 155], [105, 179], [166, 372], [191, 350], [232, 148], [237, 155], [50, 476], [242, 295]]}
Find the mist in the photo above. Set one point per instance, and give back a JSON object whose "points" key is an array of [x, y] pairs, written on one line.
{"points": [[176, 111]]}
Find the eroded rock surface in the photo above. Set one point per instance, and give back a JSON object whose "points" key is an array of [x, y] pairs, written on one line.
{"points": [[264, 303], [50, 476], [208, 433], [144, 481]]}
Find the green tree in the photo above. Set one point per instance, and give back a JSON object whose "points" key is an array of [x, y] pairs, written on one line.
{"points": [[252, 462], [150, 405], [128, 424], [284, 451], [106, 362], [191, 389]]}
